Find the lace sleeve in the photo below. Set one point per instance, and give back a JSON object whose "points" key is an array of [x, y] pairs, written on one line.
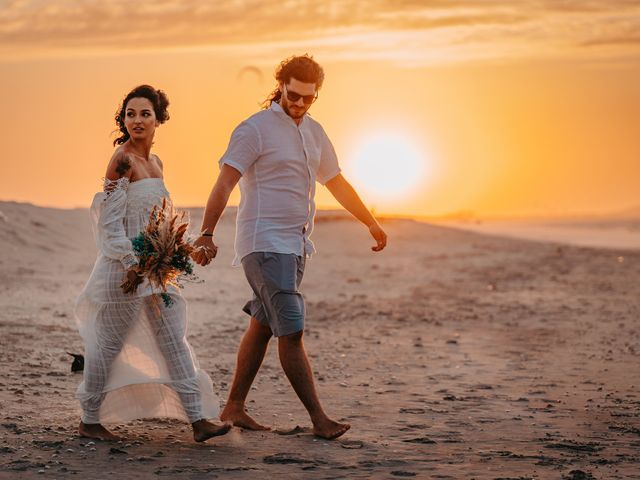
{"points": [[108, 210]]}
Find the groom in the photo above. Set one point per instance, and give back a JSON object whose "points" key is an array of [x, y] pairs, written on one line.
{"points": [[277, 155]]}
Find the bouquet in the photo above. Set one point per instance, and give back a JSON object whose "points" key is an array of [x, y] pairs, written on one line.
{"points": [[163, 252]]}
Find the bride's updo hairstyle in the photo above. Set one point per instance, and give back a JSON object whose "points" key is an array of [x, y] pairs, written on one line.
{"points": [[157, 98]]}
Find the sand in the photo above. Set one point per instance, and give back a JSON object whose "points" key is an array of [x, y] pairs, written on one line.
{"points": [[611, 233], [454, 355]]}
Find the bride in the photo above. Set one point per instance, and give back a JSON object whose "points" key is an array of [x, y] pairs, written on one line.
{"points": [[138, 363]]}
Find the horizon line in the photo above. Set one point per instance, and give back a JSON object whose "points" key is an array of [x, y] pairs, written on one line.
{"points": [[461, 215]]}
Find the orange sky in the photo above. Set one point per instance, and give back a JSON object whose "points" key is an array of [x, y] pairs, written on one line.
{"points": [[516, 110]]}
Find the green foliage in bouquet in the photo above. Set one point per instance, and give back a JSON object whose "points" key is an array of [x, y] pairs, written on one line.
{"points": [[163, 253]]}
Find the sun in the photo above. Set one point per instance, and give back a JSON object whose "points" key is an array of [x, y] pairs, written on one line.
{"points": [[387, 166]]}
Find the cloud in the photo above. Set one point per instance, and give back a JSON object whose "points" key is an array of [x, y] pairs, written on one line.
{"points": [[344, 28]]}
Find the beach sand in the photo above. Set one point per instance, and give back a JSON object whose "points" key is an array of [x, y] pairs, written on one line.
{"points": [[454, 355], [611, 233]]}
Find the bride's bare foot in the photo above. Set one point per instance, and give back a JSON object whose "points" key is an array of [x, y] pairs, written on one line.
{"points": [[204, 430], [328, 429], [240, 418], [96, 431]]}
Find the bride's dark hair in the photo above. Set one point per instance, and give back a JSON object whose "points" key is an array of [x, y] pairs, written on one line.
{"points": [[157, 98]]}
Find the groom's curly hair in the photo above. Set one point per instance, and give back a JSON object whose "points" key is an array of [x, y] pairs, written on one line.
{"points": [[303, 68]]}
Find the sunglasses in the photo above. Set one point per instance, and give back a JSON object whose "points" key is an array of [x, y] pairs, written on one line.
{"points": [[306, 99]]}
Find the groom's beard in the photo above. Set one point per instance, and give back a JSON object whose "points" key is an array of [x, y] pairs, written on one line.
{"points": [[298, 112]]}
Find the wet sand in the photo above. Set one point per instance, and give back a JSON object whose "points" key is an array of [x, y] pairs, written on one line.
{"points": [[454, 355]]}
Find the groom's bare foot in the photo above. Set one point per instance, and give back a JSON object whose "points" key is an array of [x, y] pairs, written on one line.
{"points": [[328, 429], [96, 431], [204, 430], [240, 418]]}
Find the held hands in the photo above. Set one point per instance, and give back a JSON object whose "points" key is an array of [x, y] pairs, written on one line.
{"points": [[206, 250], [379, 236]]}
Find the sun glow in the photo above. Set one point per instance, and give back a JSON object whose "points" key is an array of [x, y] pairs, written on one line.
{"points": [[387, 167]]}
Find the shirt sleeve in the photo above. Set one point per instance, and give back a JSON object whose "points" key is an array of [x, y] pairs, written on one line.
{"points": [[107, 211], [244, 147], [329, 166]]}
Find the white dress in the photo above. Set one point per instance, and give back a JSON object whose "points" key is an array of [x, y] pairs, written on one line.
{"points": [[138, 363]]}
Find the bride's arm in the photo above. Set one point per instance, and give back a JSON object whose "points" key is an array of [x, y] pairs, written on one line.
{"points": [[109, 211]]}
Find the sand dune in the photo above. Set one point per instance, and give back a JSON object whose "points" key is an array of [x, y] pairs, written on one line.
{"points": [[600, 232], [454, 355]]}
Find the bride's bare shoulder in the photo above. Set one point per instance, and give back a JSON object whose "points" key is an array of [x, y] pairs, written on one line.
{"points": [[119, 164], [159, 162]]}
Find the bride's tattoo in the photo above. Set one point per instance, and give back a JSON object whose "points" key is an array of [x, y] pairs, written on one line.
{"points": [[124, 164]]}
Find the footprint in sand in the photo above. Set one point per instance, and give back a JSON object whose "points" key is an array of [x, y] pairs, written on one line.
{"points": [[286, 459], [417, 411], [351, 444], [422, 440]]}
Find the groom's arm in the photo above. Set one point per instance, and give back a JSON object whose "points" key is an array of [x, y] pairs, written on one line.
{"points": [[346, 195], [218, 199], [219, 196]]}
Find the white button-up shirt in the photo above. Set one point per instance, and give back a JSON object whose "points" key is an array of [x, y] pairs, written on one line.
{"points": [[280, 163]]}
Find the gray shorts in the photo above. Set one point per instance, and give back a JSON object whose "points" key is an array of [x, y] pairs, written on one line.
{"points": [[274, 279]]}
